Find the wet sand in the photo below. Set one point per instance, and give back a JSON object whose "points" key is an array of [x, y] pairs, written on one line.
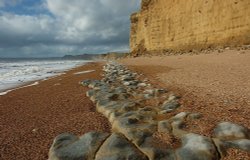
{"points": [[31, 117]]}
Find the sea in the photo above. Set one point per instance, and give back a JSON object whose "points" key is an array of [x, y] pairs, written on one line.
{"points": [[18, 72]]}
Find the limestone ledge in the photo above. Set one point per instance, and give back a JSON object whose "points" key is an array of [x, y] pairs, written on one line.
{"points": [[130, 105]]}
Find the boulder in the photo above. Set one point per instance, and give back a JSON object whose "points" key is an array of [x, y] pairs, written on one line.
{"points": [[197, 147], [243, 144], [154, 151], [230, 131], [117, 147], [70, 147]]}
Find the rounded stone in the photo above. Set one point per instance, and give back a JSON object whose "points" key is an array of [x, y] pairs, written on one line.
{"points": [[197, 147], [194, 116], [126, 83], [117, 147], [69, 147], [243, 144], [230, 131], [170, 105]]}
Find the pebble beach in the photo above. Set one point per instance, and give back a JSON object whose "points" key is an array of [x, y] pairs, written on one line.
{"points": [[31, 117], [71, 103]]}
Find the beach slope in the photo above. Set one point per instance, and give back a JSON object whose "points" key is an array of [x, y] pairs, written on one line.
{"points": [[31, 117]]}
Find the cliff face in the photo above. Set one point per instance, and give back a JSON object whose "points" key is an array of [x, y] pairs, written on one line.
{"points": [[188, 24]]}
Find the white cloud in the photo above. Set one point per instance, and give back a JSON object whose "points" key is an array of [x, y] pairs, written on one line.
{"points": [[75, 27], [22, 24]]}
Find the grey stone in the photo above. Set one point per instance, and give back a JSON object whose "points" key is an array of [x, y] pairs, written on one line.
{"points": [[230, 131], [117, 147], [135, 121], [135, 132], [114, 96], [178, 123], [131, 113], [155, 151], [64, 140], [166, 111], [119, 90], [148, 116], [193, 116], [86, 82], [134, 83], [128, 106], [132, 120], [105, 106], [103, 88], [127, 78], [180, 116], [243, 144], [104, 95], [197, 147], [148, 111], [95, 83], [170, 105], [139, 137], [113, 116], [222, 150], [126, 83], [104, 103], [70, 147], [90, 93], [177, 131]]}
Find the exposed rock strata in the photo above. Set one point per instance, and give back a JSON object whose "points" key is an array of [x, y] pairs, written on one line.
{"points": [[163, 25], [122, 97]]}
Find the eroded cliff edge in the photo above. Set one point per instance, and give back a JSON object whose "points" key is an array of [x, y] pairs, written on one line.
{"points": [[162, 25]]}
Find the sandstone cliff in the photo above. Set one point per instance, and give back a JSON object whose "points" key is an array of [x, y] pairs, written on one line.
{"points": [[187, 24]]}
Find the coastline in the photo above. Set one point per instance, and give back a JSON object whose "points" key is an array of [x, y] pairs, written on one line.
{"points": [[27, 84], [32, 116], [64, 107], [36, 81]]}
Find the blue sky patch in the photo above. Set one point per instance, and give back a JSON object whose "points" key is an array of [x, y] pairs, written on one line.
{"points": [[24, 7]]}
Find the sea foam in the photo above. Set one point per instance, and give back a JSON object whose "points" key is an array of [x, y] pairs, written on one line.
{"points": [[17, 73]]}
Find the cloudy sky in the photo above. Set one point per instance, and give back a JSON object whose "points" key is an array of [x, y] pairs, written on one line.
{"points": [[42, 28]]}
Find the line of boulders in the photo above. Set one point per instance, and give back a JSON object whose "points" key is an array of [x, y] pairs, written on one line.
{"points": [[125, 100]]}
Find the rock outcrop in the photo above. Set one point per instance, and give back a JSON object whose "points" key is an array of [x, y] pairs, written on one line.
{"points": [[163, 25], [134, 107]]}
